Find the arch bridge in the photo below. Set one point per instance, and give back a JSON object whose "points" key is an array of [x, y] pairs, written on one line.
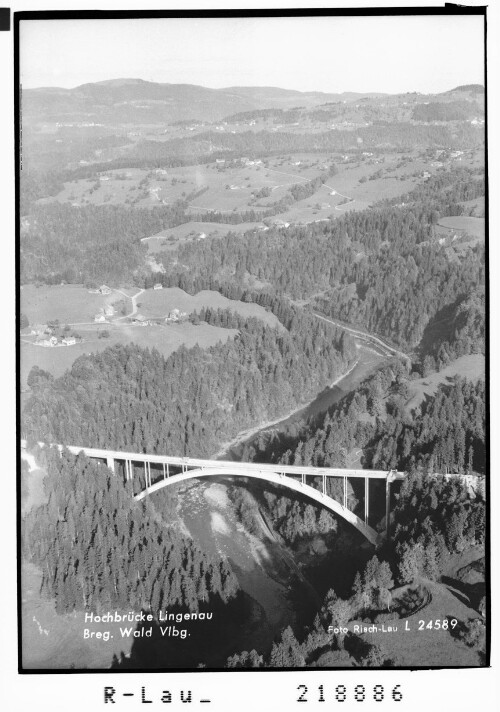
{"points": [[169, 470]]}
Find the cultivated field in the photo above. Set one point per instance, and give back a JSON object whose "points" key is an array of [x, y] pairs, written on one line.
{"points": [[70, 303], [471, 366], [173, 237], [461, 223], [158, 303], [227, 187], [74, 305], [360, 183], [166, 339], [413, 647], [476, 206], [233, 186]]}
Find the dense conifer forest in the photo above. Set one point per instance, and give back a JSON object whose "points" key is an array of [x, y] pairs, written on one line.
{"points": [[445, 434], [402, 135], [132, 398], [433, 519], [99, 549], [380, 269]]}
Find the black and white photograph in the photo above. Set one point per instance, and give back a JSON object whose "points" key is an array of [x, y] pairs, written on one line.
{"points": [[252, 274]]}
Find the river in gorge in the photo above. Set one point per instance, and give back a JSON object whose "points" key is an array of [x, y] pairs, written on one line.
{"points": [[280, 585]]}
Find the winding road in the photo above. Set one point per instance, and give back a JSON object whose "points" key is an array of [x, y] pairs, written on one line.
{"points": [[364, 336], [134, 303]]}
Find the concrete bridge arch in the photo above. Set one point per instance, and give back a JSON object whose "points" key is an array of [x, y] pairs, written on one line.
{"points": [[318, 496]]}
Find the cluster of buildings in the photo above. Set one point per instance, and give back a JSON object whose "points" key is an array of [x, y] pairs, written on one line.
{"points": [[247, 162], [103, 314], [176, 316], [280, 223], [47, 336], [55, 341], [103, 289], [141, 320]]}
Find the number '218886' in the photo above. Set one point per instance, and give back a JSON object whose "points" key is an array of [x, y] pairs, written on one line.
{"points": [[359, 693]]}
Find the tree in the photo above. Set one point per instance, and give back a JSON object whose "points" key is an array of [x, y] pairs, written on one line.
{"points": [[432, 568], [408, 565], [326, 522], [340, 612], [286, 653], [37, 378]]}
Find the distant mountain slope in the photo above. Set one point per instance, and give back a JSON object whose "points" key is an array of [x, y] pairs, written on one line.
{"points": [[133, 100]]}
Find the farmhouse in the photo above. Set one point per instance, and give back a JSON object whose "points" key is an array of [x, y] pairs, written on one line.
{"points": [[281, 223], [103, 289], [109, 310], [49, 342], [158, 285], [140, 320], [175, 316], [99, 318], [69, 340]]}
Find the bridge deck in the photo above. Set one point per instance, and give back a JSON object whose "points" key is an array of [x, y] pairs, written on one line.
{"points": [[296, 470]]}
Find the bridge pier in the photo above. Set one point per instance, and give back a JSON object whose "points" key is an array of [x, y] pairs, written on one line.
{"points": [[147, 473], [294, 476], [367, 499], [129, 470], [387, 504]]}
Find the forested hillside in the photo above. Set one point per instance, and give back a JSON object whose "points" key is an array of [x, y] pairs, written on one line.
{"points": [[402, 135], [380, 269], [445, 435], [132, 398], [99, 549], [433, 520]]}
